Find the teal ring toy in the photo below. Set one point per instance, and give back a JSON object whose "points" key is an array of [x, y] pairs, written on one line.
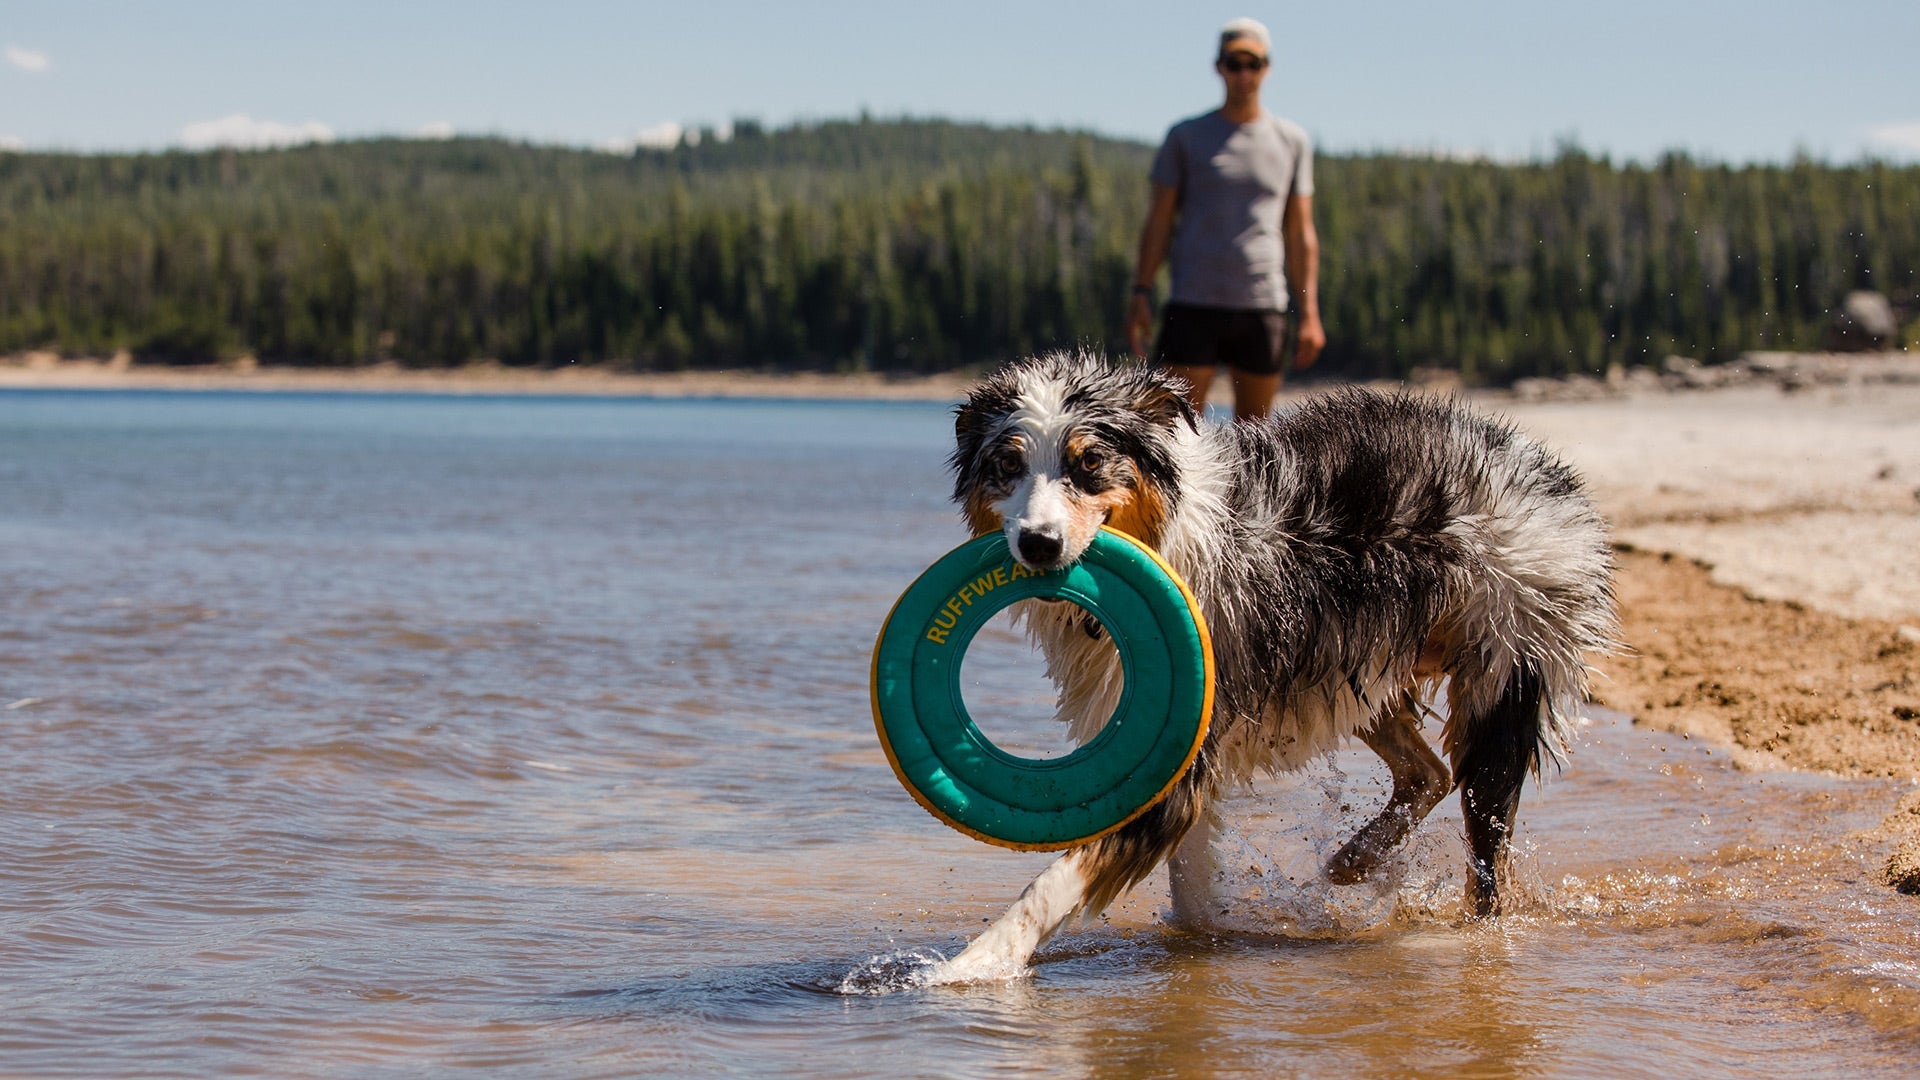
{"points": [[961, 777]]}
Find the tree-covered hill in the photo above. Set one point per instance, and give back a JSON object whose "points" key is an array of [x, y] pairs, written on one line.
{"points": [[900, 245]]}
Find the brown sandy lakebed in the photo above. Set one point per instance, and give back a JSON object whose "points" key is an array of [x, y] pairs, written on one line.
{"points": [[1769, 576], [1769, 539]]}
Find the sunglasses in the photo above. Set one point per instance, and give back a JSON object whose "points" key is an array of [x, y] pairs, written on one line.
{"points": [[1234, 65]]}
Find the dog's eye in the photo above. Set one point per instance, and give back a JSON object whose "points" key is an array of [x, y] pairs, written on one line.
{"points": [[1006, 464], [1090, 462]]}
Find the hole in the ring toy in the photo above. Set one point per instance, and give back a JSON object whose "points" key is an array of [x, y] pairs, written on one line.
{"points": [[1004, 682]]}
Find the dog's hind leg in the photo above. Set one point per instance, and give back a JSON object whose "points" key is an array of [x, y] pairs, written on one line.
{"points": [[1420, 781], [1491, 763]]}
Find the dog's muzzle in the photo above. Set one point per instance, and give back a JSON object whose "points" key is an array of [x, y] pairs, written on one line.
{"points": [[1039, 548]]}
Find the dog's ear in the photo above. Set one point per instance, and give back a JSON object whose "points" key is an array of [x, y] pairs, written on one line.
{"points": [[972, 422], [974, 419], [972, 426], [969, 428], [1165, 400]]}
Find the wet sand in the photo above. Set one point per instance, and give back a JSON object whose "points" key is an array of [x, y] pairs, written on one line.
{"points": [[1769, 586]]}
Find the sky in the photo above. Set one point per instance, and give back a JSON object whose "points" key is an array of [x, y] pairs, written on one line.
{"points": [[1761, 80]]}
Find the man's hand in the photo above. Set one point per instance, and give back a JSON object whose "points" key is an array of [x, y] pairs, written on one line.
{"points": [[1303, 271], [1312, 338], [1139, 324]]}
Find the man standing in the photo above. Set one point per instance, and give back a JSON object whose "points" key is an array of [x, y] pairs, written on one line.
{"points": [[1233, 207]]}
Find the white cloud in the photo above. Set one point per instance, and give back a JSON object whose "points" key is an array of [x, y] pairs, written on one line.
{"points": [[1899, 136], [246, 133], [662, 136], [439, 129], [12, 144], [28, 60]]}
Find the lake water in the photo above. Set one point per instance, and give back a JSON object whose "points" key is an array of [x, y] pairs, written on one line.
{"points": [[392, 735]]}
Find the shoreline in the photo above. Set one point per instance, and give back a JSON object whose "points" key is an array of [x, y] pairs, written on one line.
{"points": [[45, 371], [1788, 372]]}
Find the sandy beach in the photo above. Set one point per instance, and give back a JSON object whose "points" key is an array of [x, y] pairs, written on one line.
{"points": [[1769, 588]]}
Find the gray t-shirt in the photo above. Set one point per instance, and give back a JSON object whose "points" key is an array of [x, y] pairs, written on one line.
{"points": [[1234, 181]]}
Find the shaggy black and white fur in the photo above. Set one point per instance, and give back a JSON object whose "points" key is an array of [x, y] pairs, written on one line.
{"points": [[1351, 556]]}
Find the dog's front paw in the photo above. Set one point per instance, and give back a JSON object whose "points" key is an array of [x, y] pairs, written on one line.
{"points": [[975, 965]]}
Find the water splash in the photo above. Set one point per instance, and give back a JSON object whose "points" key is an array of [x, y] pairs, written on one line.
{"points": [[1275, 837], [892, 972]]}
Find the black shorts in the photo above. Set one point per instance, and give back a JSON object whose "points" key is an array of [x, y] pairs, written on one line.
{"points": [[1256, 342]]}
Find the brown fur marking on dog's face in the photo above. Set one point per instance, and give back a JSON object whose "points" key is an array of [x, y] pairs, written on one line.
{"points": [[982, 518], [1111, 486], [1143, 516]]}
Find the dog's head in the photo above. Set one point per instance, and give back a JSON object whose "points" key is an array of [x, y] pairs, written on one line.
{"points": [[1051, 448]]}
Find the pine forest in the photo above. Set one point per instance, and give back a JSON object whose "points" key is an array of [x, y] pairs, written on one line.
{"points": [[904, 246]]}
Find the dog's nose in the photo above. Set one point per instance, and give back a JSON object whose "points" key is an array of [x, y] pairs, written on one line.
{"points": [[1039, 548]]}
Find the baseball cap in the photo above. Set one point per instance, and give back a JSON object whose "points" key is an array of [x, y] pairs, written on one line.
{"points": [[1245, 28]]}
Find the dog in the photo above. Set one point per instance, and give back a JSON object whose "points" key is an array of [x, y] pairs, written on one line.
{"points": [[1351, 556]]}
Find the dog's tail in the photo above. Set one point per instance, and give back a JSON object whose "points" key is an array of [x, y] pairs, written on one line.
{"points": [[1121, 859]]}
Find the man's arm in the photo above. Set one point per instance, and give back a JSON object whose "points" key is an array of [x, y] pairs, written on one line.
{"points": [[1155, 236], [1303, 271]]}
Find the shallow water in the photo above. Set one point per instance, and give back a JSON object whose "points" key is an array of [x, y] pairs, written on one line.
{"points": [[391, 735]]}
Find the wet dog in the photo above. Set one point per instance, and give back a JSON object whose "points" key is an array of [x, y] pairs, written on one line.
{"points": [[1354, 557]]}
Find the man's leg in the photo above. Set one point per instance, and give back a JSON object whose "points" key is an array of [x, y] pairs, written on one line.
{"points": [[1253, 395], [1189, 347], [1258, 355], [1199, 378]]}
